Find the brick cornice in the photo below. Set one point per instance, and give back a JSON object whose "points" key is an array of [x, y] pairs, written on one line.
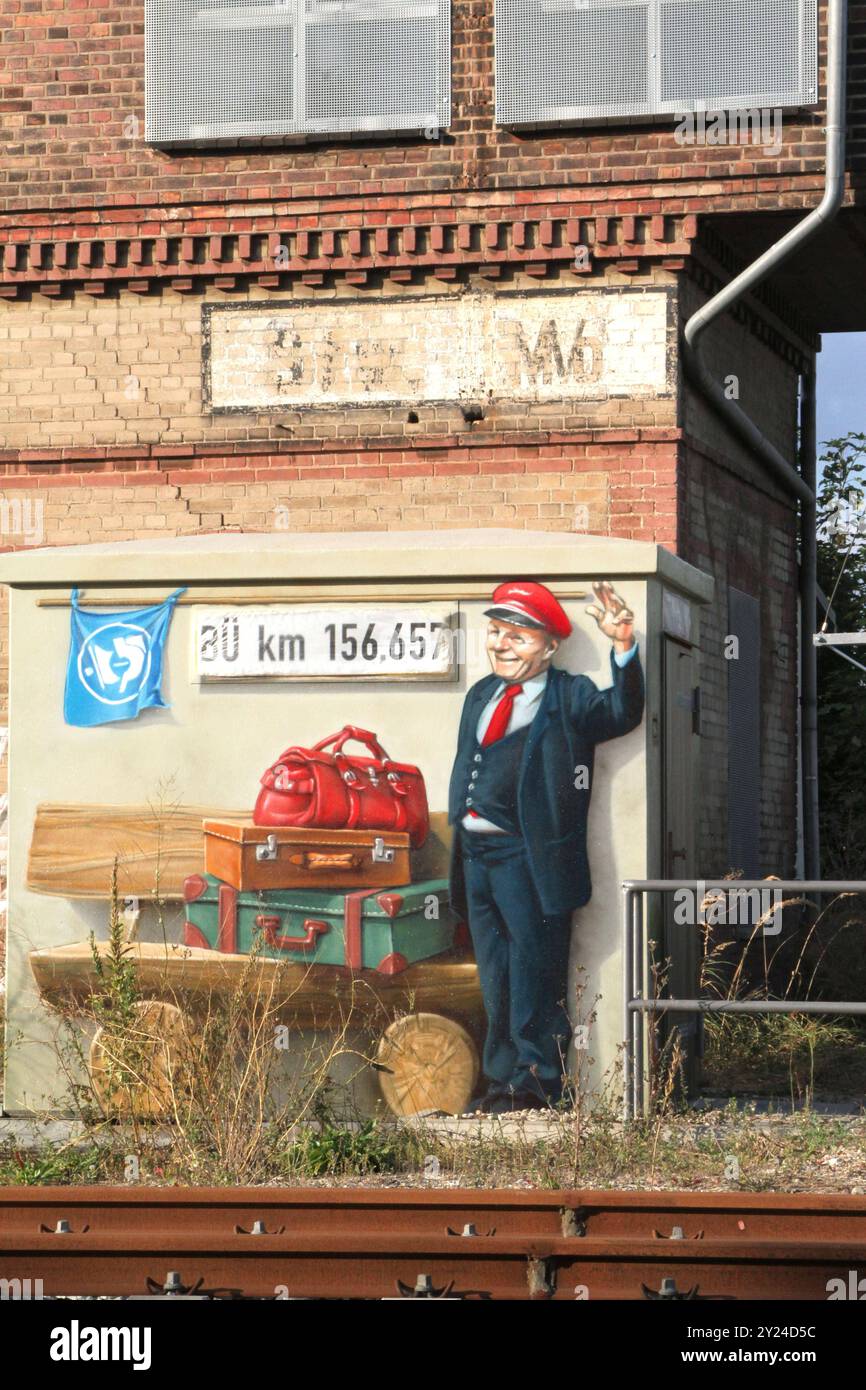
{"points": [[228, 253], [232, 242]]}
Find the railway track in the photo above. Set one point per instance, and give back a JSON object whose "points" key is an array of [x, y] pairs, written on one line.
{"points": [[459, 1243]]}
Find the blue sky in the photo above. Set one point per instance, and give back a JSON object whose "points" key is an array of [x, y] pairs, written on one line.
{"points": [[841, 385]]}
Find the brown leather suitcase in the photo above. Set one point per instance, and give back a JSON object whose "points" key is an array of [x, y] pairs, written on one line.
{"points": [[252, 857]]}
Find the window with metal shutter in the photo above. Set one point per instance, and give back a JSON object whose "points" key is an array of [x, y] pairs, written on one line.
{"points": [[256, 69], [744, 734], [584, 60]]}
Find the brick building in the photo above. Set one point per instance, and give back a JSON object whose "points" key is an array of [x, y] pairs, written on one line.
{"points": [[460, 321]]}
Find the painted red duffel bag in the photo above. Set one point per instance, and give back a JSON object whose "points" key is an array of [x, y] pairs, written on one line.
{"points": [[323, 786]]}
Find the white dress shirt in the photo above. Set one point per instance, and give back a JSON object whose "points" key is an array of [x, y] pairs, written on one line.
{"points": [[523, 711]]}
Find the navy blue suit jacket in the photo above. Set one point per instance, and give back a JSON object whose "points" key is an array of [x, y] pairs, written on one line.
{"points": [[574, 715]]}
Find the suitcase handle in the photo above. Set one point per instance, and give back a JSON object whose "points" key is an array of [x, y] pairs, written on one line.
{"points": [[312, 928], [351, 731], [317, 862]]}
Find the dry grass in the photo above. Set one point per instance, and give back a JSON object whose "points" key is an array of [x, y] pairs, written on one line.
{"points": [[817, 955], [234, 1113], [718, 1151]]}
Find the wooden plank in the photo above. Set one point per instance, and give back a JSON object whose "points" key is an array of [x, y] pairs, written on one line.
{"points": [[73, 848], [74, 845], [311, 996]]}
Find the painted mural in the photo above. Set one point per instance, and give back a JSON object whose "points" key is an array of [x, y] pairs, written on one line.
{"points": [[461, 917]]}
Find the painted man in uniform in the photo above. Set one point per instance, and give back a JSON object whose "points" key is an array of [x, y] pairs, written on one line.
{"points": [[519, 800]]}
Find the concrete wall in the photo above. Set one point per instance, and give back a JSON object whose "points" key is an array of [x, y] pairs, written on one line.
{"points": [[209, 744]]}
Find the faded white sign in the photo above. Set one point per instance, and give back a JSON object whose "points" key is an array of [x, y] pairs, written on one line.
{"points": [[578, 345]]}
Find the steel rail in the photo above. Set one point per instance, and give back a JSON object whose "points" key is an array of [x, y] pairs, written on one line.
{"points": [[320, 1243]]}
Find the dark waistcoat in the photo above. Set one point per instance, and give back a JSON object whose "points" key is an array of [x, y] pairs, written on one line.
{"points": [[489, 778]]}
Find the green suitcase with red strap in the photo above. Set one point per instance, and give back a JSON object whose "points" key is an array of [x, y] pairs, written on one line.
{"points": [[382, 929]]}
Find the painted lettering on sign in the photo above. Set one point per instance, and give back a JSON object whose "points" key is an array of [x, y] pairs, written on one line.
{"points": [[308, 642], [545, 362], [587, 345]]}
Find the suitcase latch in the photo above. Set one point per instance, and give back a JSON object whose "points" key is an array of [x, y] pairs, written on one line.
{"points": [[268, 850], [382, 853]]}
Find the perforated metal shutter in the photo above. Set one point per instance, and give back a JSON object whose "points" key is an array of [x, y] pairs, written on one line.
{"points": [[744, 734], [581, 60], [253, 69]]}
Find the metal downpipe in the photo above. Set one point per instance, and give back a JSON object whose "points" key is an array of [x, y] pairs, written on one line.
{"points": [[775, 255], [808, 650], [802, 485]]}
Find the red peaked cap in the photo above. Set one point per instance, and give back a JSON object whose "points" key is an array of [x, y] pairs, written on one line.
{"points": [[526, 604]]}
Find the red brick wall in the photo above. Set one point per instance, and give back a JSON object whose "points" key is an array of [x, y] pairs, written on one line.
{"points": [[625, 479], [73, 74], [738, 524], [740, 533]]}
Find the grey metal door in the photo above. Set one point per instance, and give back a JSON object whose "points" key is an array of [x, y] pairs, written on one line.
{"points": [[681, 947]]}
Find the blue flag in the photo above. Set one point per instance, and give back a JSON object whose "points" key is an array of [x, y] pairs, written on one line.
{"points": [[115, 662]]}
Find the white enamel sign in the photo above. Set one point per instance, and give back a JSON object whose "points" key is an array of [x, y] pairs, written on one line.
{"points": [[309, 642]]}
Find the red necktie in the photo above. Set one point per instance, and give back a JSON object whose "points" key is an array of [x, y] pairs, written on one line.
{"points": [[499, 720], [501, 715]]}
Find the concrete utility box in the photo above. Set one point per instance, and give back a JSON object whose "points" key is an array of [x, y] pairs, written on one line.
{"points": [[259, 655]]}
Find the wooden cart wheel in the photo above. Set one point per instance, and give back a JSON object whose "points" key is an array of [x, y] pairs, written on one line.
{"points": [[148, 1071], [432, 1065]]}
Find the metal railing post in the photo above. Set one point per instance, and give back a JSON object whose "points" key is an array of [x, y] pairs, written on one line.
{"points": [[636, 973], [627, 1021], [639, 992]]}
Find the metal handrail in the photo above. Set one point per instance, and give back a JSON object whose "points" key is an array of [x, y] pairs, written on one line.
{"points": [[635, 969]]}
